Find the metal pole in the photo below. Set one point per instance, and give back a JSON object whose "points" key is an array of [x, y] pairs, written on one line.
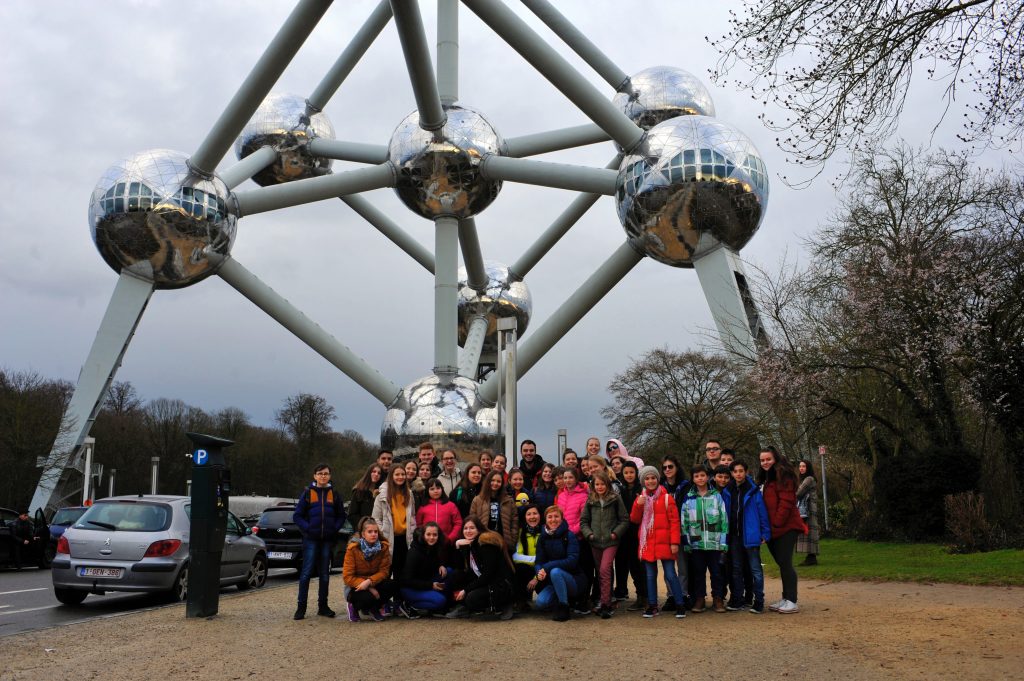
{"points": [[154, 476], [89, 444], [562, 443], [110, 482], [547, 174], [446, 295], [824, 483], [257, 84], [349, 151], [279, 309], [360, 42], [391, 230], [417, 60], [555, 140], [248, 166], [499, 369], [579, 43], [558, 71], [475, 337], [507, 328], [571, 311], [315, 189], [448, 51], [476, 275], [569, 217]]}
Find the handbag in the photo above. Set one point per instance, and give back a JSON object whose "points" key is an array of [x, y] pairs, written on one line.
{"points": [[802, 506]]}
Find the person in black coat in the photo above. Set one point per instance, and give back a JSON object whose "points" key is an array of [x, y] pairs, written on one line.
{"points": [[485, 582]]}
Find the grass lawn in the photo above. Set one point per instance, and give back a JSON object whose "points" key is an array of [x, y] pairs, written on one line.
{"points": [[890, 562]]}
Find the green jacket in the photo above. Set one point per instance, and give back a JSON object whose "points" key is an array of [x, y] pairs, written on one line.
{"points": [[601, 518], [705, 521]]}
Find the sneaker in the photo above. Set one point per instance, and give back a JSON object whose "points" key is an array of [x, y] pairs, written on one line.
{"points": [[733, 606], [636, 605], [324, 611], [757, 608], [651, 611], [605, 612], [404, 610], [581, 609], [377, 614], [788, 608], [698, 605], [623, 597], [776, 605], [387, 610], [353, 614], [300, 612], [458, 613], [670, 605], [681, 613], [561, 613], [506, 613]]}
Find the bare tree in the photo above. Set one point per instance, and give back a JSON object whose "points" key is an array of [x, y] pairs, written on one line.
{"points": [[307, 418], [843, 68]]}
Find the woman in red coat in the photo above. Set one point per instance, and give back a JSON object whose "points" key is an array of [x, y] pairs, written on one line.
{"points": [[656, 514], [778, 479]]}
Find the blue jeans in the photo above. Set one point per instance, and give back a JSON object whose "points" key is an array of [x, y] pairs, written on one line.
{"points": [[562, 587], [704, 562], [669, 566], [429, 599], [315, 552], [752, 557]]}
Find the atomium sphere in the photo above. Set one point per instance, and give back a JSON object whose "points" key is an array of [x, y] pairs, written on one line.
{"points": [[447, 411], [282, 122], [693, 175], [503, 297], [152, 215], [664, 92], [439, 171]]}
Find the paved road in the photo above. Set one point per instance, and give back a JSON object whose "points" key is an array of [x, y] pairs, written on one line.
{"points": [[27, 601]]}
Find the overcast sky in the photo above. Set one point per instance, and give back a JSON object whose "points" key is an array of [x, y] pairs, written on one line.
{"points": [[85, 84]]}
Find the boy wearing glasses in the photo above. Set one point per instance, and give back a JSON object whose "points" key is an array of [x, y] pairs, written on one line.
{"points": [[319, 515], [712, 454], [451, 475]]}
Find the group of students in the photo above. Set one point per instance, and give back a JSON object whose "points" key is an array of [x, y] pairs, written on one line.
{"points": [[437, 539]]}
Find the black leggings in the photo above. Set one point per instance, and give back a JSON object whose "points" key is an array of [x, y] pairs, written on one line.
{"points": [[364, 600], [495, 596], [398, 556], [782, 551], [627, 564]]}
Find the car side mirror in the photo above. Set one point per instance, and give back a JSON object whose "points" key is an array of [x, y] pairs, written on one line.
{"points": [[248, 531]]}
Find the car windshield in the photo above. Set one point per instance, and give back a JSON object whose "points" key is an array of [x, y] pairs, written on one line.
{"points": [[277, 516], [125, 516], [65, 517]]}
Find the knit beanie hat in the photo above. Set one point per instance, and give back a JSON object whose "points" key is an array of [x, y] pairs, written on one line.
{"points": [[648, 470]]}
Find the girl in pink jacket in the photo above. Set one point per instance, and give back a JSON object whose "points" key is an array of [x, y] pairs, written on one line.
{"points": [[438, 509], [571, 499]]}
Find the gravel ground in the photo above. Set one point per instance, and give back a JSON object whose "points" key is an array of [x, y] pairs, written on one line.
{"points": [[846, 630]]}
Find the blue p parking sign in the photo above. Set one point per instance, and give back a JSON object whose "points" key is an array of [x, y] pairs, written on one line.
{"points": [[201, 457]]}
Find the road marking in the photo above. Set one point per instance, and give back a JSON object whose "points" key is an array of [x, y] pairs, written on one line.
{"points": [[15, 612], [23, 591]]}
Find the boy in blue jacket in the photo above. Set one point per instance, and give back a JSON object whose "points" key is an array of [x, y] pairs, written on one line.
{"points": [[748, 529], [319, 514]]}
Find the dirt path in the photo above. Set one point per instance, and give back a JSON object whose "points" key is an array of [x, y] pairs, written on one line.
{"points": [[846, 630]]}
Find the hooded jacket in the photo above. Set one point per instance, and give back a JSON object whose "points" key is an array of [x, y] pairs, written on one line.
{"points": [[356, 568], [449, 481], [492, 559], [382, 514], [665, 530], [753, 521], [320, 512], [705, 520], [558, 549], [531, 470], [572, 501], [507, 512], [624, 453], [445, 514], [603, 517], [463, 497], [422, 565], [543, 497]]}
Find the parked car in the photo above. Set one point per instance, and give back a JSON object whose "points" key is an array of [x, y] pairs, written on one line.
{"points": [[63, 519], [284, 541], [38, 552], [140, 543]]}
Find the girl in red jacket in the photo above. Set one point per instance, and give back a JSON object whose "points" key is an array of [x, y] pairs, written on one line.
{"points": [[438, 509], [656, 514], [778, 479]]}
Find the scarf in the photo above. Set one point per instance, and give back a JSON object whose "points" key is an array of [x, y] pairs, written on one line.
{"points": [[647, 522], [369, 550]]}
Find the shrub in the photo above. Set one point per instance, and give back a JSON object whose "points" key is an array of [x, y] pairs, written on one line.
{"points": [[968, 528]]}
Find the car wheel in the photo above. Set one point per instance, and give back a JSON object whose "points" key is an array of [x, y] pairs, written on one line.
{"points": [[256, 577], [179, 592], [70, 596], [46, 559]]}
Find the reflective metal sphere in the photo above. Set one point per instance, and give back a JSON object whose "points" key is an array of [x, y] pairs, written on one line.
{"points": [[503, 297], [664, 92], [439, 171], [282, 122], [692, 175], [445, 411], [150, 214]]}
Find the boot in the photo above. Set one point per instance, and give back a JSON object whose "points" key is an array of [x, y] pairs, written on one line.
{"points": [[300, 612], [638, 604], [719, 604], [561, 613], [811, 559]]}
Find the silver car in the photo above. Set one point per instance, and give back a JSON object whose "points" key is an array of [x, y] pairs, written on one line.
{"points": [[140, 543]]}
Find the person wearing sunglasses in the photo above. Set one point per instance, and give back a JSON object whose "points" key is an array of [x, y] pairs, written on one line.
{"points": [[614, 448]]}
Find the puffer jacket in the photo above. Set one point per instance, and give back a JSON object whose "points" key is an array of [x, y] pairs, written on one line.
{"points": [[558, 549], [320, 512], [382, 514], [665, 530], [509, 518], [356, 568], [705, 521], [446, 515], [572, 501], [755, 527], [422, 565], [780, 500], [602, 518]]}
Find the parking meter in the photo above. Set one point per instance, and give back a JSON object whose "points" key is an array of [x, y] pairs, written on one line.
{"points": [[208, 523]]}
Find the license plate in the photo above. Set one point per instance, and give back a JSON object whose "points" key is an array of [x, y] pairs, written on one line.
{"points": [[105, 573], [280, 555]]}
